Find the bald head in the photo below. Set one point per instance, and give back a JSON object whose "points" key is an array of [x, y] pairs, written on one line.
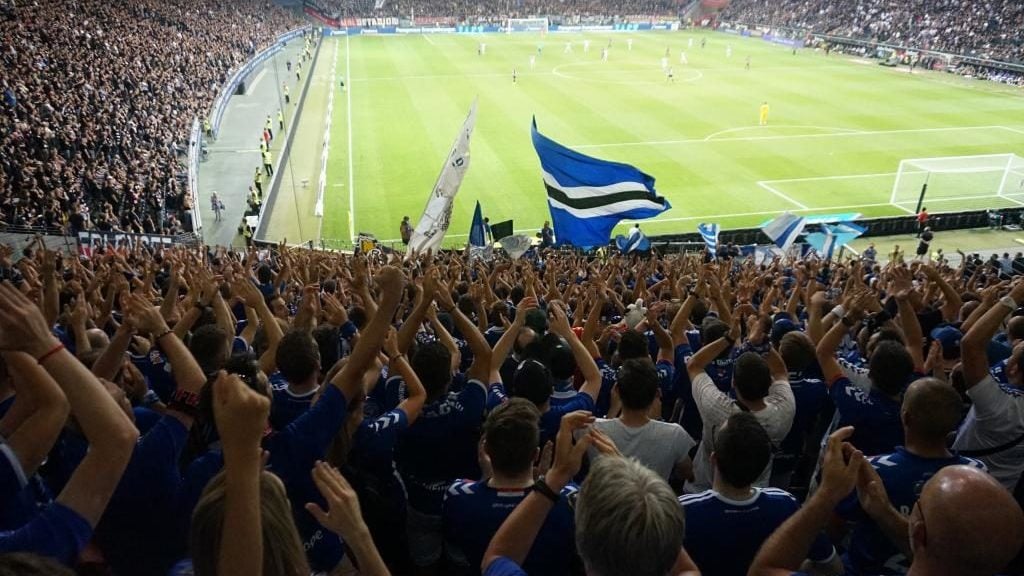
{"points": [[967, 522], [1015, 329], [931, 409]]}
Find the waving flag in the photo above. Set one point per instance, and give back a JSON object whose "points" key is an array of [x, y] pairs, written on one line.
{"points": [[588, 197], [433, 225], [709, 232], [784, 230], [516, 245], [833, 236], [636, 242]]}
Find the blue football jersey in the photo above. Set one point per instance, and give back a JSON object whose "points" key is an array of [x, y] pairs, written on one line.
{"points": [[904, 475], [473, 512], [723, 535]]}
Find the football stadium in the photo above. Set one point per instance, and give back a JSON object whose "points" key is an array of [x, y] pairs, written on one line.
{"points": [[530, 288]]}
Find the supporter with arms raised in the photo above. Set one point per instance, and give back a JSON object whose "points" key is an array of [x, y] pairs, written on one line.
{"points": [[964, 524], [993, 431], [473, 511], [874, 412], [533, 380], [725, 526], [762, 388], [627, 518], [441, 446], [930, 412], [62, 528]]}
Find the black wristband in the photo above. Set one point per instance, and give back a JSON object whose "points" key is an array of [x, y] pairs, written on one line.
{"points": [[847, 321], [542, 488]]}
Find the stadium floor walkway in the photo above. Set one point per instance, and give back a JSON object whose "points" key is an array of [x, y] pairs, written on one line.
{"points": [[235, 155]]}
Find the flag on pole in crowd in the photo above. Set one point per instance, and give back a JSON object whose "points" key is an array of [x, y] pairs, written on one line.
{"points": [[833, 236], [709, 232], [433, 225], [477, 234], [635, 242], [784, 230], [588, 197]]}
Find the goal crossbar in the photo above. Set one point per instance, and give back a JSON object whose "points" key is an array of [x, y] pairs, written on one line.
{"points": [[946, 178]]}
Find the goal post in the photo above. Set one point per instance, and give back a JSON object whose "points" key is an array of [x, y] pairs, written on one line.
{"points": [[956, 178], [527, 25]]}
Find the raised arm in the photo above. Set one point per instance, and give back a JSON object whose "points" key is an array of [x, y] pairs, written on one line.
{"points": [[34, 422], [951, 298], [584, 361], [481, 366], [407, 333], [508, 339], [826, 350], [682, 320], [399, 364], [110, 433], [349, 379], [974, 343], [666, 348], [188, 376], [710, 351], [241, 416], [253, 298]]}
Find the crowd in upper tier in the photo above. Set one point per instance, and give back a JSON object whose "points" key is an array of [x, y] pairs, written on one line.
{"points": [[286, 412], [991, 30], [99, 99]]}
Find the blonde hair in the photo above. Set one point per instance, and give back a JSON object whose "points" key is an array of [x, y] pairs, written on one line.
{"points": [[283, 554]]}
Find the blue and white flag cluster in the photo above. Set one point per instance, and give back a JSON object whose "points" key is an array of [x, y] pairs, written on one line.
{"points": [[588, 196], [784, 230], [833, 236], [636, 242], [709, 232]]}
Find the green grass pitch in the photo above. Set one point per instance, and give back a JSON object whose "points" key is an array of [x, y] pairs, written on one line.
{"points": [[837, 131]]}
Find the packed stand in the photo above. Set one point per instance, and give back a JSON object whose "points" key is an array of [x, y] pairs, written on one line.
{"points": [[475, 11], [98, 103], [988, 30], [287, 412]]}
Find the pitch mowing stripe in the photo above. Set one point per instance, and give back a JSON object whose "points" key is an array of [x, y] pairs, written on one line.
{"points": [[351, 164]]}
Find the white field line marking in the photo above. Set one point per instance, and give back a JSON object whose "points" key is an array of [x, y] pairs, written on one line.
{"points": [[785, 137], [330, 88], [429, 39], [728, 130], [762, 184], [830, 177], [1018, 131], [351, 176]]}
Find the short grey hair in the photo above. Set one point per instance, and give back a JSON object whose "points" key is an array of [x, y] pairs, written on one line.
{"points": [[628, 520]]}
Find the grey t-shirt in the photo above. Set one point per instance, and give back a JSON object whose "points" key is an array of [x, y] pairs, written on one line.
{"points": [[657, 445]]}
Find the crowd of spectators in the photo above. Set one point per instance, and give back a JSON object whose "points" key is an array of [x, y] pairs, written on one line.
{"points": [[477, 11], [98, 102], [988, 30], [283, 411]]}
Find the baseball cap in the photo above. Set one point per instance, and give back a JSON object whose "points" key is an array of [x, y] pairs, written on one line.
{"points": [[949, 337]]}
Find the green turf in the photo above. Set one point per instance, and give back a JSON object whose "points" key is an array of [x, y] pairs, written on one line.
{"points": [[837, 131]]}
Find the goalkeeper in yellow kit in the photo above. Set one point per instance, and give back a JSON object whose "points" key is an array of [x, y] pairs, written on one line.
{"points": [[764, 114]]}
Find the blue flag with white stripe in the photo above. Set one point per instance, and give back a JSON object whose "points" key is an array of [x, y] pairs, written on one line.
{"points": [[709, 232], [636, 242], [588, 196], [784, 230], [833, 236]]}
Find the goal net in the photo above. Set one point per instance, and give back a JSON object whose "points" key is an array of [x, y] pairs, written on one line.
{"points": [[958, 178], [527, 25]]}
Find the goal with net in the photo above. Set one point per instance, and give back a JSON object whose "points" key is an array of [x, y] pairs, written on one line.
{"points": [[527, 25], [955, 179]]}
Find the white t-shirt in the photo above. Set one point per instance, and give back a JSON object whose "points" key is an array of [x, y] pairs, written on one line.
{"points": [[996, 418], [657, 445], [715, 407]]}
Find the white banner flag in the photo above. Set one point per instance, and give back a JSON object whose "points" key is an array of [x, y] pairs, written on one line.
{"points": [[433, 225]]}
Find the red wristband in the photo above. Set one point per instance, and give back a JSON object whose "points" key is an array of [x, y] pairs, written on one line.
{"points": [[51, 352]]}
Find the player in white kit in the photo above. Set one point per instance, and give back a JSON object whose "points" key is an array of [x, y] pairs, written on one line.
{"points": [[533, 61], [604, 54], [629, 44], [568, 48], [664, 63], [728, 51], [682, 58], [586, 46]]}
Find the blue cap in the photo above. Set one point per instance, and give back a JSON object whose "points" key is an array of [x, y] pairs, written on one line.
{"points": [[781, 327], [949, 337]]}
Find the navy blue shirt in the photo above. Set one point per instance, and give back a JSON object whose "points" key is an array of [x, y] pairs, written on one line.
{"points": [[441, 446], [57, 532], [874, 416], [811, 397], [723, 536], [286, 406], [904, 475], [473, 512]]}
